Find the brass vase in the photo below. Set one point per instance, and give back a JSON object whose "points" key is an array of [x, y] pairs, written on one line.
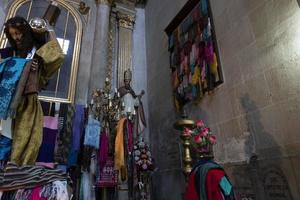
{"points": [[185, 139]]}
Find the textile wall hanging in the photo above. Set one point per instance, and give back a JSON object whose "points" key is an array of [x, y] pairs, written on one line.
{"points": [[194, 58]]}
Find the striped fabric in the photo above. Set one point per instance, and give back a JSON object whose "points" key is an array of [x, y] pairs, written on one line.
{"points": [[26, 177]]}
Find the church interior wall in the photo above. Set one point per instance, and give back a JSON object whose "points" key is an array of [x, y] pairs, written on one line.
{"points": [[254, 113]]}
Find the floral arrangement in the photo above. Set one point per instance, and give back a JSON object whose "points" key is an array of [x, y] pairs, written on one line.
{"points": [[202, 139], [144, 165], [142, 156]]}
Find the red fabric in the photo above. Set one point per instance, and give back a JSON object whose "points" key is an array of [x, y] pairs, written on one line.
{"points": [[190, 192], [108, 176], [104, 148], [35, 195], [213, 191], [213, 178], [130, 136]]}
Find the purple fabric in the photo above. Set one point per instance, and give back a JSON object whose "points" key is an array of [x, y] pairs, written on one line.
{"points": [[103, 151], [6, 52], [78, 127], [209, 53], [46, 153]]}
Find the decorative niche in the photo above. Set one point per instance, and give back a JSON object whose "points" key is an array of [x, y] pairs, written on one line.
{"points": [[194, 56]]}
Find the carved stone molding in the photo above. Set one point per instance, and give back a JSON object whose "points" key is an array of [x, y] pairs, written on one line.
{"points": [[132, 2], [126, 20], [106, 2]]}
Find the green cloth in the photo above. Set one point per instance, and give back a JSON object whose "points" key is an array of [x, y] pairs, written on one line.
{"points": [[27, 127]]}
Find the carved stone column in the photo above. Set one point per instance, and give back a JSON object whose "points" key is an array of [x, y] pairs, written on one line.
{"points": [[125, 17], [100, 46]]}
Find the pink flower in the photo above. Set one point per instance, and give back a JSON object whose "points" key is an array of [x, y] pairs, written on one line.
{"points": [[212, 139], [187, 132], [200, 123], [198, 139], [204, 132]]}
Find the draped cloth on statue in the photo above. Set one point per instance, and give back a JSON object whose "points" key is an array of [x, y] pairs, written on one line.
{"points": [[10, 73], [28, 124], [19, 90], [141, 118]]}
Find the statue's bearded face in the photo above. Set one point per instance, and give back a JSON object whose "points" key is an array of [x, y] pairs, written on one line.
{"points": [[20, 36], [17, 36]]}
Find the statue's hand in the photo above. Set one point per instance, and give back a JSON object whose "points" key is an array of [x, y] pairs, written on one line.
{"points": [[49, 27], [141, 94], [34, 65]]}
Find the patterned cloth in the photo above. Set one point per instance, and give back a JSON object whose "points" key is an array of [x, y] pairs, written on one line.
{"points": [[10, 73], [92, 133], [108, 175], [23, 194], [5, 147], [78, 126], [55, 191], [193, 57], [19, 91], [63, 143], [27, 177], [77, 130]]}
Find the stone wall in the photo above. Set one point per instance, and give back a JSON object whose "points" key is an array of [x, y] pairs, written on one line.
{"points": [[254, 113], [3, 8], [168, 180], [139, 63]]}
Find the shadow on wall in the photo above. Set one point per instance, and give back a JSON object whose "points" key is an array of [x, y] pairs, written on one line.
{"points": [[167, 180], [262, 177]]}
